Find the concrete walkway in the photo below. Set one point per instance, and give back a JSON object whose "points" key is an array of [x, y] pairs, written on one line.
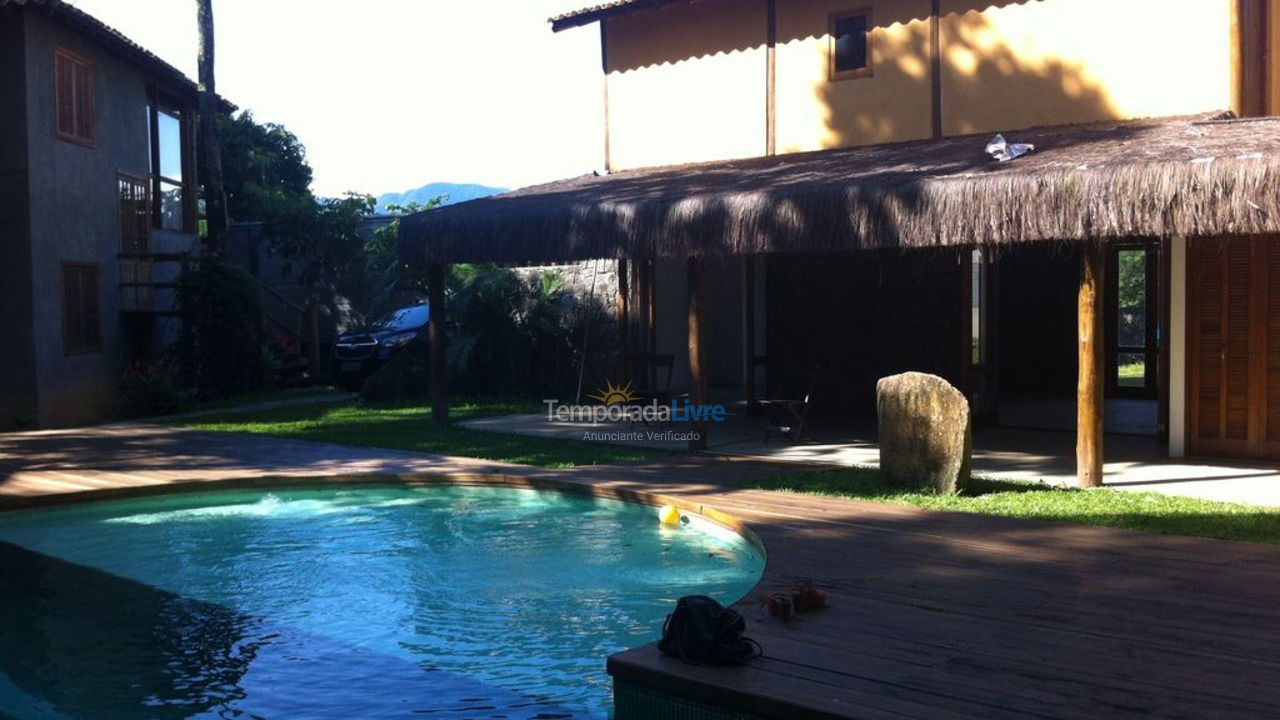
{"points": [[116, 457], [1134, 463]]}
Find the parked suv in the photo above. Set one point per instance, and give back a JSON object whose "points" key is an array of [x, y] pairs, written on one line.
{"points": [[360, 353]]}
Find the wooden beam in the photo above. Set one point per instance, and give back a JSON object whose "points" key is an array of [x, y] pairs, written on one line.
{"points": [[1249, 57], [771, 79], [651, 316], [749, 332], [439, 377], [1164, 278], [698, 346], [935, 68], [1089, 399], [624, 320], [604, 67], [313, 339]]}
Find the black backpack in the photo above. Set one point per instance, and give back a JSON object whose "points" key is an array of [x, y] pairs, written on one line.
{"points": [[702, 631]]}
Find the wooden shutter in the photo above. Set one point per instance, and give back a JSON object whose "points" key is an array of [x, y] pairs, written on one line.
{"points": [[1234, 346], [65, 91], [1205, 285], [73, 97], [85, 129], [1236, 363], [89, 312], [81, 323], [1271, 412]]}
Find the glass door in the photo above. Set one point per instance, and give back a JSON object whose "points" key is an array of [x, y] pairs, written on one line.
{"points": [[1133, 333]]}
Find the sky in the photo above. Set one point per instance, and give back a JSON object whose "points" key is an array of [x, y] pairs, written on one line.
{"points": [[389, 95]]}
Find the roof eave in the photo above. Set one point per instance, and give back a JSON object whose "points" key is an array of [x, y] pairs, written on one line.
{"points": [[116, 42], [603, 12]]}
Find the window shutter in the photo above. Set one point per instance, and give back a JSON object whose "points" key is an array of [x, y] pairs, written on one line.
{"points": [[91, 324], [65, 92], [81, 323], [70, 309], [1236, 376], [1273, 341], [85, 129], [1206, 258]]}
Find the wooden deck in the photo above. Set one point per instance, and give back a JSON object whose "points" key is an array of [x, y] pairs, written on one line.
{"points": [[932, 615]]}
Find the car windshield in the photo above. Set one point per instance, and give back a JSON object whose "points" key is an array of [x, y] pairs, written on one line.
{"points": [[410, 318]]}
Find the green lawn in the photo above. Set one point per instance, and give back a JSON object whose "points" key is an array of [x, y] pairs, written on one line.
{"points": [[1132, 374], [1112, 508], [409, 427]]}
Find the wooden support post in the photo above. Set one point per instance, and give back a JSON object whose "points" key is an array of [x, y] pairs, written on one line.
{"points": [[649, 308], [749, 331], [624, 321], [313, 339], [439, 377], [1089, 400], [698, 347], [651, 289]]}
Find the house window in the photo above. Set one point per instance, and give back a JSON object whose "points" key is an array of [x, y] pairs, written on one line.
{"points": [[81, 326], [168, 165], [135, 215], [73, 94], [850, 45]]}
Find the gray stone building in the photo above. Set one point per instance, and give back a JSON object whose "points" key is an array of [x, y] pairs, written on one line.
{"points": [[97, 208]]}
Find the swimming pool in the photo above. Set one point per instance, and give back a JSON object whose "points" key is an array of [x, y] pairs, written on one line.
{"points": [[357, 602]]}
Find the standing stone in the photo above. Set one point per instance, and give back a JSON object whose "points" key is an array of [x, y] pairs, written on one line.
{"points": [[925, 437]]}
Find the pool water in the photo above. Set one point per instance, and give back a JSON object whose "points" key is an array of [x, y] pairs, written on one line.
{"points": [[369, 602]]}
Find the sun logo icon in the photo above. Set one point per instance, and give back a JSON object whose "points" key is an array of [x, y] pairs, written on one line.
{"points": [[615, 394]]}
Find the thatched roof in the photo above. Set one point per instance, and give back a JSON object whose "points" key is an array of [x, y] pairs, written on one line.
{"points": [[1142, 178]]}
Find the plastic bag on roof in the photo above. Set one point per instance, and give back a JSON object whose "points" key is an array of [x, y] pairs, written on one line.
{"points": [[1004, 151]]}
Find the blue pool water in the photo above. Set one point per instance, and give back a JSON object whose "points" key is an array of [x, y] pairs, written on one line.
{"points": [[370, 602]]}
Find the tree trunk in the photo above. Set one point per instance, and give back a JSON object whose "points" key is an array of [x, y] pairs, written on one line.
{"points": [[214, 196]]}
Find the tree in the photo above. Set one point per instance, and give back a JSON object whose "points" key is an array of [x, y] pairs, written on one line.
{"points": [[324, 236], [265, 171], [384, 273], [214, 196]]}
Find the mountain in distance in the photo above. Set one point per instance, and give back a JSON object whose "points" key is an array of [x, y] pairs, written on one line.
{"points": [[457, 192]]}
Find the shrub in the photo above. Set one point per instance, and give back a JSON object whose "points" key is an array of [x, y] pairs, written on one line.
{"points": [[222, 350], [510, 335], [152, 389], [515, 335]]}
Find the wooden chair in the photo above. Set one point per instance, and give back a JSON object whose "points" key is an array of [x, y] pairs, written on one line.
{"points": [[788, 412], [651, 375]]}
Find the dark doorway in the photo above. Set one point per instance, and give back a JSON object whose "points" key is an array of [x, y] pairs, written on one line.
{"points": [[1035, 309]]}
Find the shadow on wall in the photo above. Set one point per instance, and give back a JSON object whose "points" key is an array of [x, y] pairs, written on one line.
{"points": [[988, 85]]}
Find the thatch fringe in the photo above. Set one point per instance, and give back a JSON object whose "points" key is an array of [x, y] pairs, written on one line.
{"points": [[1179, 176]]}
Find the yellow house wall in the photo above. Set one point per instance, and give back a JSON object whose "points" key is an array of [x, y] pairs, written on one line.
{"points": [[1037, 62], [687, 83], [892, 104]]}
